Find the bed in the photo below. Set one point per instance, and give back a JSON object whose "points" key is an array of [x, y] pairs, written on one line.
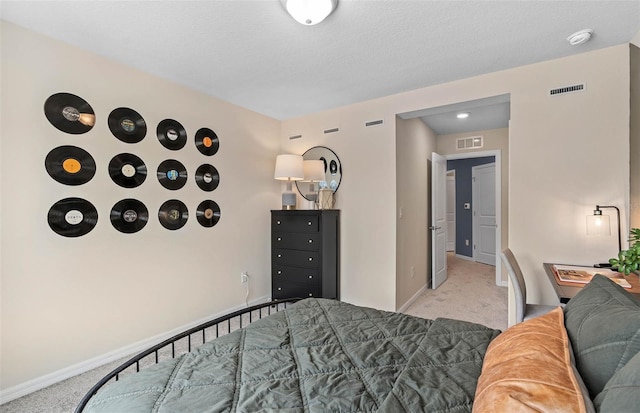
{"points": [[319, 355]]}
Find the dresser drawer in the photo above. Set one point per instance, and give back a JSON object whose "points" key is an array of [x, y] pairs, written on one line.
{"points": [[293, 290], [294, 223], [296, 240], [282, 274], [296, 258]]}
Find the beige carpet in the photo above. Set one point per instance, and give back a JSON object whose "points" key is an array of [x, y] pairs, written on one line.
{"points": [[469, 294]]}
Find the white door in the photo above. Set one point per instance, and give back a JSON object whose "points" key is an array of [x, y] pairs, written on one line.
{"points": [[451, 210], [438, 220], [483, 194]]}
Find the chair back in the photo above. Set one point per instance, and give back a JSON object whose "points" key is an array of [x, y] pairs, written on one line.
{"points": [[517, 280]]}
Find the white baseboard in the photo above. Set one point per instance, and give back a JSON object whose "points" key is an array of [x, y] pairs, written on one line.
{"points": [[412, 299], [22, 389]]}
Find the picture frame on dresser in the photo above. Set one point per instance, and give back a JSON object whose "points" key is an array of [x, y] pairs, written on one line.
{"points": [[305, 254]]}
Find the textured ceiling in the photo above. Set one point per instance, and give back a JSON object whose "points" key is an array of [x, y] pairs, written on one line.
{"points": [[253, 54]]}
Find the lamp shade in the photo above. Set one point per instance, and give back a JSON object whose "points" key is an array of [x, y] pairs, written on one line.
{"points": [[289, 168], [309, 12], [598, 225], [314, 171]]}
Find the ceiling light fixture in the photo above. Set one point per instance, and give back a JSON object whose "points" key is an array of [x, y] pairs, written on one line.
{"points": [[580, 37], [462, 115], [309, 12]]}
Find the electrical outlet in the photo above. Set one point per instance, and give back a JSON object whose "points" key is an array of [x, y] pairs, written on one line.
{"points": [[244, 277], [466, 242]]}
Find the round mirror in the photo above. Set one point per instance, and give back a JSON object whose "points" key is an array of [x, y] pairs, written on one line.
{"points": [[332, 172]]}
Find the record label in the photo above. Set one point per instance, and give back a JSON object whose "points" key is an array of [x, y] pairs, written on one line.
{"points": [[172, 174], [70, 165], [129, 216], [127, 125], [207, 177], [72, 217], [127, 170], [69, 113], [171, 134], [173, 214], [208, 213], [207, 141]]}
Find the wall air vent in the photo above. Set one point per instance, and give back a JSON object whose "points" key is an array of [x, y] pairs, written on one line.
{"points": [[374, 123], [333, 130], [295, 137], [471, 142], [581, 87]]}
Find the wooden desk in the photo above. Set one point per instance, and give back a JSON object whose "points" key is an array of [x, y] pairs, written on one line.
{"points": [[566, 291]]}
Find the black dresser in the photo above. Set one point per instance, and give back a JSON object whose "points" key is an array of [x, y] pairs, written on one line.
{"points": [[305, 254]]}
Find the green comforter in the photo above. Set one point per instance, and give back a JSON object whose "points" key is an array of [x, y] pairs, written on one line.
{"points": [[317, 356]]}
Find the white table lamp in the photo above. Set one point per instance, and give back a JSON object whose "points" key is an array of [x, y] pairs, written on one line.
{"points": [[289, 168]]}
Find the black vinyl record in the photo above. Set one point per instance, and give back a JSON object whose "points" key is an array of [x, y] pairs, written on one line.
{"points": [[208, 213], [72, 217], [69, 113], [171, 134], [173, 214], [207, 177], [70, 165], [127, 170], [172, 174], [127, 125], [207, 141], [129, 216]]}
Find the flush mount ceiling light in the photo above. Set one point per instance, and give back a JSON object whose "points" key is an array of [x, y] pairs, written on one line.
{"points": [[462, 115], [309, 12], [580, 37]]}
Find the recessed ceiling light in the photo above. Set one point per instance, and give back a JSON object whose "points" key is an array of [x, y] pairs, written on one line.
{"points": [[463, 115], [580, 37]]}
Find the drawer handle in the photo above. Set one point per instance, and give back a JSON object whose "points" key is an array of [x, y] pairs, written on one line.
{"points": [[279, 255], [277, 222], [279, 239], [310, 241], [311, 276], [310, 258], [279, 288], [310, 294], [279, 272], [309, 223]]}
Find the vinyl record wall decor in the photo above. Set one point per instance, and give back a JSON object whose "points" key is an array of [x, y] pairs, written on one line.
{"points": [[74, 166]]}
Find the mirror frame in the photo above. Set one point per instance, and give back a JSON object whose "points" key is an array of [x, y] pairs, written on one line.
{"points": [[329, 157]]}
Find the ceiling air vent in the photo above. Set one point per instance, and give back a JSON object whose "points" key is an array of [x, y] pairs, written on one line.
{"points": [[374, 122], [295, 137], [581, 87], [333, 130]]}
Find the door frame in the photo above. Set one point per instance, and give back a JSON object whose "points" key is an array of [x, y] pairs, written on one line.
{"points": [[497, 154]]}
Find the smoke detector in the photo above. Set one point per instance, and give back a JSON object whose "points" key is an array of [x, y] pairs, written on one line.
{"points": [[580, 37]]}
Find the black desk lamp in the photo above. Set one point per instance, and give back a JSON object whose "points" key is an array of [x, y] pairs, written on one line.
{"points": [[598, 225]]}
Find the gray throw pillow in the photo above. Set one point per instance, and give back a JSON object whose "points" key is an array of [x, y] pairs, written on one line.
{"points": [[603, 324], [622, 392]]}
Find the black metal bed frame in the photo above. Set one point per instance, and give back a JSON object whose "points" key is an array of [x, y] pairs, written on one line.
{"points": [[114, 375]]}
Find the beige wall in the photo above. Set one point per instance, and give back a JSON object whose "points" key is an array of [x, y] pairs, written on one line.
{"points": [[493, 139], [556, 170], [67, 300], [636, 39], [415, 142], [634, 136]]}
